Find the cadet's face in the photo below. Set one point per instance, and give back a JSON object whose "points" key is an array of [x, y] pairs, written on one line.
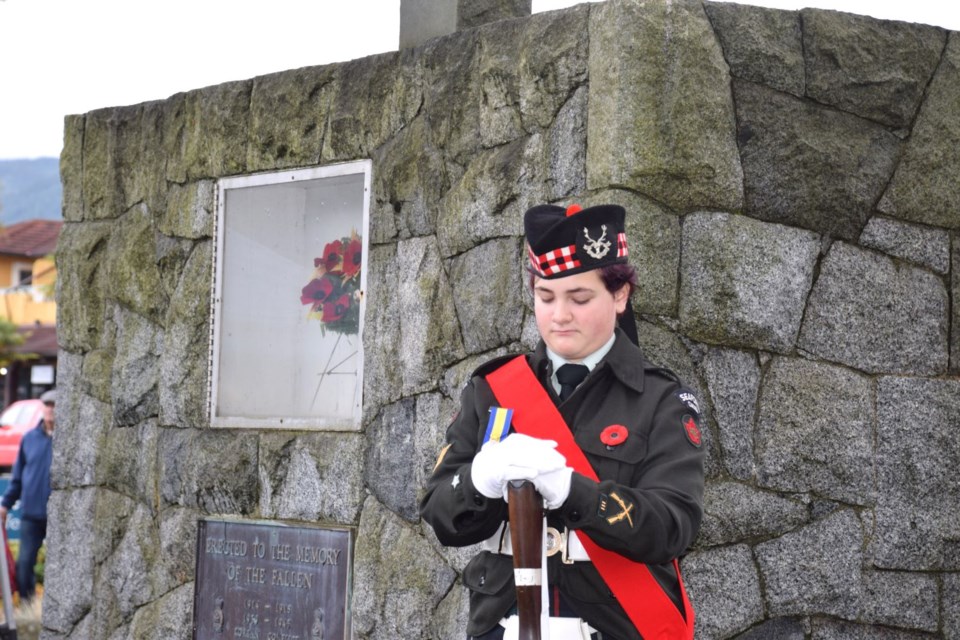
{"points": [[576, 315]]}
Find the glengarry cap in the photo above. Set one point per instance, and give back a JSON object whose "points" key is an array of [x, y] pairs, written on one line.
{"points": [[564, 241]]}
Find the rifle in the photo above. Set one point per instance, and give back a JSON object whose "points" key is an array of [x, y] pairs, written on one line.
{"points": [[526, 534]]}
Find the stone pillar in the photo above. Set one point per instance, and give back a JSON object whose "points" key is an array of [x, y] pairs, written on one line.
{"points": [[421, 20]]}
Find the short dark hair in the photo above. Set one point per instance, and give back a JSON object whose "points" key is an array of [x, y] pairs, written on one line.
{"points": [[614, 276]]}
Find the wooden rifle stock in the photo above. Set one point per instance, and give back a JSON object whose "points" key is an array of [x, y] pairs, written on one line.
{"points": [[526, 535]]}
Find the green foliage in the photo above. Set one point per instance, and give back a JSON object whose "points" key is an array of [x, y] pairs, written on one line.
{"points": [[41, 563], [10, 339], [41, 558]]}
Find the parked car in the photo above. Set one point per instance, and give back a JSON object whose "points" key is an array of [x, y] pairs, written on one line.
{"points": [[16, 420]]}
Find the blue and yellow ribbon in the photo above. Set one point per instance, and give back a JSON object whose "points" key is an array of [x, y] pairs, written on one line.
{"points": [[499, 424]]}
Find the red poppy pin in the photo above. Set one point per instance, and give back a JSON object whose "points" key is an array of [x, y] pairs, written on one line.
{"points": [[693, 431], [614, 435]]}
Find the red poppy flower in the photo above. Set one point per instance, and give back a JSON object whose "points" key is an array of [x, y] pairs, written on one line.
{"points": [[332, 291], [351, 258], [615, 434], [332, 256], [318, 291], [336, 309]]}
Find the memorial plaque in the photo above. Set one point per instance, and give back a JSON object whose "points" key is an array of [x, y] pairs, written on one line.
{"points": [[269, 581]]}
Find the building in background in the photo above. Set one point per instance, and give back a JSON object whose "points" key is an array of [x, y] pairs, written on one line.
{"points": [[27, 281]]}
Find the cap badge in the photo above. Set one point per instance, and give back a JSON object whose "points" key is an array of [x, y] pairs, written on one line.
{"points": [[598, 248]]}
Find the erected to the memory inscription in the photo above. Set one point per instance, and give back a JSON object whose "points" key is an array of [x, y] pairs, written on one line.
{"points": [[268, 581]]}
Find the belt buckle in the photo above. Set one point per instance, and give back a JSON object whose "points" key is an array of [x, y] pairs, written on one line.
{"points": [[566, 547], [556, 542]]}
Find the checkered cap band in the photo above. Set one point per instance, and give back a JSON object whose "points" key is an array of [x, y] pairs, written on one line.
{"points": [[556, 261], [621, 245]]}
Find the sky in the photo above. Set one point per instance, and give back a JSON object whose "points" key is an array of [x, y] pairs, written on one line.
{"points": [[60, 57]]}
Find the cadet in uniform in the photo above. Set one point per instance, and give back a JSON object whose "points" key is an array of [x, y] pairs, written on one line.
{"points": [[610, 441]]}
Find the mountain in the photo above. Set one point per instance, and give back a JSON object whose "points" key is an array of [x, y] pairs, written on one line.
{"points": [[29, 190]]}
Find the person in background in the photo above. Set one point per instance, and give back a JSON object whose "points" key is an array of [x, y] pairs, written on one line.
{"points": [[30, 483], [611, 442]]}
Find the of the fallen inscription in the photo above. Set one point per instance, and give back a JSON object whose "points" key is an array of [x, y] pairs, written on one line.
{"points": [[271, 581]]}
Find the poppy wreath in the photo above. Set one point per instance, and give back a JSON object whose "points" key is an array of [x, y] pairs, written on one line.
{"points": [[333, 293]]}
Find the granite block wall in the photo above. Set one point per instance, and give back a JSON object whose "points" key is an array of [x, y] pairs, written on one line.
{"points": [[790, 182]]}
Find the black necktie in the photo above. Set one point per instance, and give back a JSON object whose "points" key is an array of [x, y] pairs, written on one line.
{"points": [[569, 376]]}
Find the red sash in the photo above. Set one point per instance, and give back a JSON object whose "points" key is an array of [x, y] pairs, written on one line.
{"points": [[650, 609]]}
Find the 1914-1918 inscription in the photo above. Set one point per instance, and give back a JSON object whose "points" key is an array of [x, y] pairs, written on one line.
{"points": [[268, 581]]}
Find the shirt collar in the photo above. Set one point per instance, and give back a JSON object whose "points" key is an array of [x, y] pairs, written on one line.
{"points": [[590, 361], [624, 358]]}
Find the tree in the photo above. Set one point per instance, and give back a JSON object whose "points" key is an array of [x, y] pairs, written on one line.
{"points": [[10, 339]]}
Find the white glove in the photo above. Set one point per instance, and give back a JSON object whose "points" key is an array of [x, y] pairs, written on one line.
{"points": [[517, 457], [554, 486]]}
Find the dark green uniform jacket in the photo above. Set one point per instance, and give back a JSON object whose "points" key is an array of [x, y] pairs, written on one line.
{"points": [[657, 473]]}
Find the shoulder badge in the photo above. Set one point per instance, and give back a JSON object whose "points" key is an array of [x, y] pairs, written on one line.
{"points": [[692, 430], [686, 397]]}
